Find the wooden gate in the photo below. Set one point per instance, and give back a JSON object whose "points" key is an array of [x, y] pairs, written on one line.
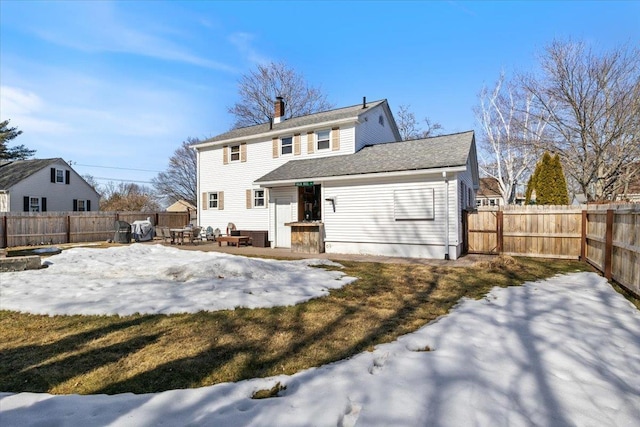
{"points": [[482, 231]]}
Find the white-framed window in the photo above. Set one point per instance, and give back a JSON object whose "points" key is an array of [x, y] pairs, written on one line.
{"points": [[286, 145], [258, 198], [323, 138], [34, 204], [82, 205], [213, 200], [60, 176], [234, 151]]}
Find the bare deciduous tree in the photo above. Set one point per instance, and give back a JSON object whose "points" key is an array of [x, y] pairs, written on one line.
{"points": [[261, 86], [592, 102], [179, 181], [127, 196], [511, 130], [409, 127]]}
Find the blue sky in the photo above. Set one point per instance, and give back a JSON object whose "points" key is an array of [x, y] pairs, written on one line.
{"points": [[122, 84]]}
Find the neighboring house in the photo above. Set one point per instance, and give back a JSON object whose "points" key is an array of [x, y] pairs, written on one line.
{"points": [[348, 170], [181, 206], [489, 193], [42, 185], [184, 206]]}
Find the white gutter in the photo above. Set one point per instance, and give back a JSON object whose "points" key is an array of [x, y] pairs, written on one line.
{"points": [[446, 215], [275, 132], [412, 172]]}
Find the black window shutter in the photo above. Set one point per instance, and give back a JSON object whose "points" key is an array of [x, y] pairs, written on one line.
{"points": [[44, 204], [67, 177], [88, 202], [53, 174], [75, 205], [25, 202]]}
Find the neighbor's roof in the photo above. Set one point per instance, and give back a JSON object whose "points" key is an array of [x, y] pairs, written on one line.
{"points": [[13, 172], [419, 154], [310, 119], [489, 187]]}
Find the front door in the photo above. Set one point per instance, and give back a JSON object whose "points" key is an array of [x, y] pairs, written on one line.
{"points": [[283, 216]]}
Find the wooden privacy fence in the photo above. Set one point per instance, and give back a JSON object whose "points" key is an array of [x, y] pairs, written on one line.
{"points": [[33, 228], [606, 236]]}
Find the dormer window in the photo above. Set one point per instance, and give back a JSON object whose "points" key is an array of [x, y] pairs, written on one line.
{"points": [[323, 139], [235, 153], [286, 145]]}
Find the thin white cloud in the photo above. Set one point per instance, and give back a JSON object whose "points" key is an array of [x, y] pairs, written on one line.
{"points": [[244, 43], [98, 27], [28, 111]]}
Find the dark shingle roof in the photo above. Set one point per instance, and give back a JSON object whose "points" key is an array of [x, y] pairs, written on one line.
{"points": [[13, 172], [489, 187], [419, 154], [310, 119]]}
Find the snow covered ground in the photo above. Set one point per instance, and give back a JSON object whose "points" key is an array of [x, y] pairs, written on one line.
{"points": [[561, 352], [153, 279]]}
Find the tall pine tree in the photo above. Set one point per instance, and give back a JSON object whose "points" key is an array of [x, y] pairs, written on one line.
{"points": [[548, 182]]}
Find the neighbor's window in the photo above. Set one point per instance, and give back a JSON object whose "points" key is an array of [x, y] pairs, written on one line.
{"points": [[82, 205], [235, 153], [60, 176], [323, 139], [258, 198], [286, 145], [213, 200], [34, 204]]}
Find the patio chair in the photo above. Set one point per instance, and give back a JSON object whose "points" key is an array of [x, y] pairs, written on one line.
{"points": [[209, 236], [165, 234], [194, 235]]}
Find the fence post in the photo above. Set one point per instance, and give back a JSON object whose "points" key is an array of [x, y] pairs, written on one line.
{"points": [[68, 228], [608, 246], [499, 226], [5, 233], [583, 238]]}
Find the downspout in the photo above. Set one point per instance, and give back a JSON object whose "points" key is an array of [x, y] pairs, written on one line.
{"points": [[446, 215]]}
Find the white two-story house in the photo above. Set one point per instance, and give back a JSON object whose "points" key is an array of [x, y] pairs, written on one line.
{"points": [[348, 170]]}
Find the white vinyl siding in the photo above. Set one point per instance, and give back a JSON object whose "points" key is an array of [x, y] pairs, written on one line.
{"points": [[355, 208], [370, 131], [413, 204]]}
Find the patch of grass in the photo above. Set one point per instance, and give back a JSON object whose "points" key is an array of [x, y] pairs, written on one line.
{"points": [[267, 393], [151, 353]]}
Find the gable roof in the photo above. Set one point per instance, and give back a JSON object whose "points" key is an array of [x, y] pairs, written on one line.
{"points": [[13, 172], [420, 154], [352, 112], [489, 187]]}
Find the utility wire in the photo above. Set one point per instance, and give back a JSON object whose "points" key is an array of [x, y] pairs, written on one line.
{"points": [[112, 167], [122, 180]]}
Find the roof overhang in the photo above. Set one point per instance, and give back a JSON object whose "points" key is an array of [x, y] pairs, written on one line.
{"points": [[276, 132], [413, 172]]}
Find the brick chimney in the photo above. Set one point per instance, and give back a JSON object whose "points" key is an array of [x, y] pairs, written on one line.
{"points": [[279, 110]]}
